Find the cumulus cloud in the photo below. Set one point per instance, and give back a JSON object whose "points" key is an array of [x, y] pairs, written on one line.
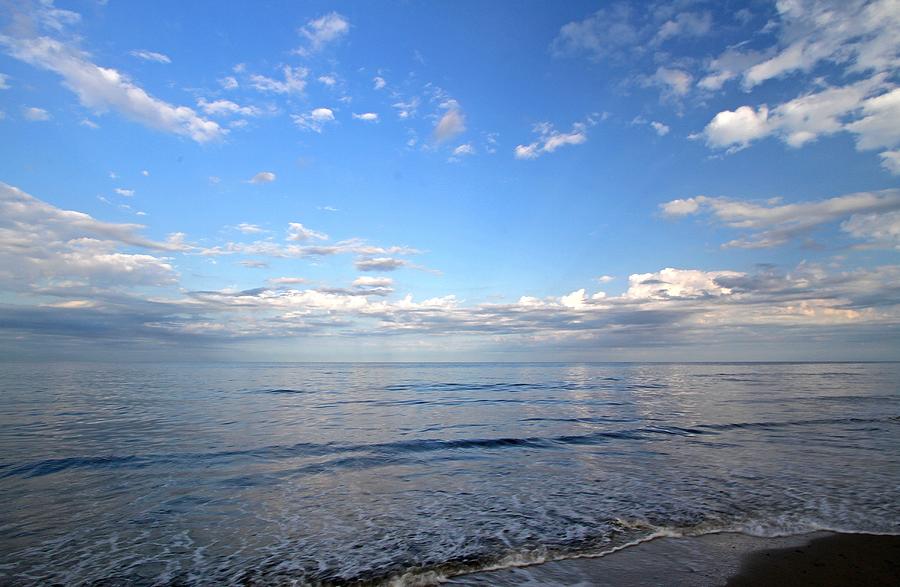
{"points": [[773, 224], [124, 192], [321, 31], [869, 109], [263, 177], [314, 120], [78, 270], [378, 83], [42, 243], [103, 88], [366, 116], [660, 128], [298, 232], [151, 56], [4, 81], [678, 283], [550, 139]]}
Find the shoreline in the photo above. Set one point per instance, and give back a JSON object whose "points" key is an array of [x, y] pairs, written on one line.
{"points": [[725, 558]]}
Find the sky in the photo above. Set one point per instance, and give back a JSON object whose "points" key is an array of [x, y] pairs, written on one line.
{"points": [[450, 181]]}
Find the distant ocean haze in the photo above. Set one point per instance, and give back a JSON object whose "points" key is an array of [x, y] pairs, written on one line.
{"points": [[207, 474]]}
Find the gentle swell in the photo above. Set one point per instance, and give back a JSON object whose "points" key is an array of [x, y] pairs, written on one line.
{"points": [[398, 448]]}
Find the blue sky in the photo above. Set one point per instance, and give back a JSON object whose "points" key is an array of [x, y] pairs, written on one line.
{"points": [[450, 180]]}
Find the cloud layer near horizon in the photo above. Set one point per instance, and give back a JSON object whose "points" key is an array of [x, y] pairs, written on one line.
{"points": [[73, 276]]}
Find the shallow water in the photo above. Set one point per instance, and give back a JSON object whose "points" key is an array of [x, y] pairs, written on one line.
{"points": [[281, 473]]}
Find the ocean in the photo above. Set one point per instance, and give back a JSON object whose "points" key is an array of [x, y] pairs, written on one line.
{"points": [[285, 473]]}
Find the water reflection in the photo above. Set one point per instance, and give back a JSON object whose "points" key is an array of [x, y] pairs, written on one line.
{"points": [[229, 473]]}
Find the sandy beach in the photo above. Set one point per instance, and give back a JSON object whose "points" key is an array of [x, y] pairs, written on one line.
{"points": [[820, 559]]}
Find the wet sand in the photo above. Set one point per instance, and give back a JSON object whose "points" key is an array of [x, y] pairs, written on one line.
{"points": [[820, 559]]}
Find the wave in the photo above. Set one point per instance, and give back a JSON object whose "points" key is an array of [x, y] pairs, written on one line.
{"points": [[395, 448], [420, 577]]}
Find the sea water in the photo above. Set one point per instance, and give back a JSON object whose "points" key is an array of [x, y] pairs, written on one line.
{"points": [[283, 473]]}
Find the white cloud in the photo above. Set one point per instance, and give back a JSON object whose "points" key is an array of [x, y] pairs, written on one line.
{"points": [[660, 128], [328, 80], [322, 31], [452, 123], [619, 31], [314, 120], [879, 125], [675, 82], [366, 116], [605, 278], [380, 264], [4, 79], [226, 108], [604, 33], [124, 192], [857, 36], [366, 281], [550, 139], [261, 177], [298, 232], [151, 56], [868, 109], [287, 280], [408, 108], [685, 24], [890, 160], [42, 243], [880, 229], [378, 82], [737, 128], [229, 83], [35, 114], [247, 228], [145, 173], [89, 124], [101, 88], [678, 283], [79, 263], [294, 81], [776, 223]]}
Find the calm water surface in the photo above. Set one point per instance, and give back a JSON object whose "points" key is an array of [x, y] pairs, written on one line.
{"points": [[334, 473]]}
